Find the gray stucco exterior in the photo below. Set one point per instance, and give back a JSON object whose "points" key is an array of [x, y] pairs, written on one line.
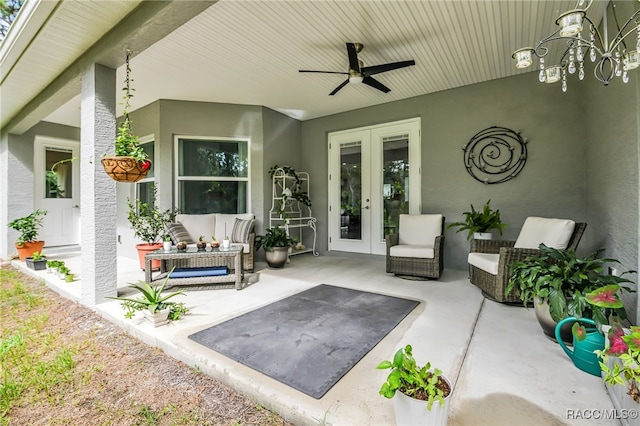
{"points": [[582, 164]]}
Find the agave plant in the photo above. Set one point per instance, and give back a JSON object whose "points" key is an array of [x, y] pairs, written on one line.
{"points": [[153, 299]]}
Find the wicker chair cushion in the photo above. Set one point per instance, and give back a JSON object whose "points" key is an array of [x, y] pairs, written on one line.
{"points": [[419, 229], [552, 232], [488, 262], [419, 252], [178, 233], [225, 223], [198, 224], [241, 230]]}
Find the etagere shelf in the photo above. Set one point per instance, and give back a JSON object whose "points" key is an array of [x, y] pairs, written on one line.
{"points": [[289, 212]]}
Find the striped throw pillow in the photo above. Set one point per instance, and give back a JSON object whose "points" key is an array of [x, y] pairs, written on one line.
{"points": [[241, 230], [178, 233]]}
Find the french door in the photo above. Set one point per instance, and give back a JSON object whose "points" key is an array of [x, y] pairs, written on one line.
{"points": [[374, 176], [57, 190]]}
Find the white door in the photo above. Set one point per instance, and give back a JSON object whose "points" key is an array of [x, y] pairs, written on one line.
{"points": [[57, 177], [374, 177]]}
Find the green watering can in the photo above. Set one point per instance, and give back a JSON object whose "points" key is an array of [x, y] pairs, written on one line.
{"points": [[582, 354]]}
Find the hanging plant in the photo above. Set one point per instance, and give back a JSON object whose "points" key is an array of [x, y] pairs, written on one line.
{"points": [[130, 163]]}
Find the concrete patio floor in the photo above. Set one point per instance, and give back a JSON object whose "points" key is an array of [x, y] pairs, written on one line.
{"points": [[504, 370]]}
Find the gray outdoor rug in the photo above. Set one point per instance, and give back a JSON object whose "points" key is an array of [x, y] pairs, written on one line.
{"points": [[309, 340]]}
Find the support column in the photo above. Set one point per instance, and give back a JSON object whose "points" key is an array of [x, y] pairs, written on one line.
{"points": [[98, 194]]}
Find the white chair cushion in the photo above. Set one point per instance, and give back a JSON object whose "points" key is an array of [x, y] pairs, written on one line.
{"points": [[552, 232], [488, 262], [419, 229], [229, 220], [420, 252], [198, 224]]}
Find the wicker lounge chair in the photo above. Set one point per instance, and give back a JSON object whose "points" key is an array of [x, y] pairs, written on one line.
{"points": [[493, 285], [417, 249]]}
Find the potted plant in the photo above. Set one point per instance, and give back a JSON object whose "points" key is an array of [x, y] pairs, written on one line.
{"points": [[556, 282], [28, 227], [422, 393], [37, 261], [619, 364], [166, 244], [479, 223], [276, 243], [214, 243], [130, 162], [148, 223], [201, 244], [154, 303]]}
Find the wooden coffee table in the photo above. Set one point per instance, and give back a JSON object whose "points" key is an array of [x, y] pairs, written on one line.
{"points": [[192, 258]]}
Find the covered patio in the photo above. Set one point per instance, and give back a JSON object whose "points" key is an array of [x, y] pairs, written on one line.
{"points": [[505, 371]]}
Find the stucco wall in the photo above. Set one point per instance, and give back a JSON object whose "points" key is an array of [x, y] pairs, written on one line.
{"points": [[612, 174], [282, 146], [19, 172], [551, 184], [273, 138]]}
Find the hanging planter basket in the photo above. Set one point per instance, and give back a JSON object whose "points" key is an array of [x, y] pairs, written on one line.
{"points": [[125, 169]]}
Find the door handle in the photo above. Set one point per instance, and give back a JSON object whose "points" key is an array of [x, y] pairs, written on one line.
{"points": [[366, 207]]}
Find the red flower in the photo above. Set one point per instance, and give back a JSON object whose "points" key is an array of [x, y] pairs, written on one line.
{"points": [[145, 164]]}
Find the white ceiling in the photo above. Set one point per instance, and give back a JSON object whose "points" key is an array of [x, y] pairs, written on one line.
{"points": [[249, 52]]}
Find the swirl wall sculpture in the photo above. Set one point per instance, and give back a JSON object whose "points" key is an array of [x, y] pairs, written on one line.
{"points": [[495, 155]]}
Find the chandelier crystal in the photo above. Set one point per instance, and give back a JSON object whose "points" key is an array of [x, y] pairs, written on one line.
{"points": [[613, 55]]}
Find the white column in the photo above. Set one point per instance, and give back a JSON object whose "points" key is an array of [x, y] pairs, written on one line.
{"points": [[98, 191]]}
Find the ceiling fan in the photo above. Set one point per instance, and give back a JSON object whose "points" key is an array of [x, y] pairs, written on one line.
{"points": [[360, 74]]}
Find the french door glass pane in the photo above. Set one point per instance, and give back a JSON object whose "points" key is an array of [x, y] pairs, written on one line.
{"points": [[58, 173], [395, 181], [350, 191], [199, 197]]}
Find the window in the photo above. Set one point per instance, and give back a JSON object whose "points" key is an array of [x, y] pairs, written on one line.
{"points": [[213, 175], [144, 187]]}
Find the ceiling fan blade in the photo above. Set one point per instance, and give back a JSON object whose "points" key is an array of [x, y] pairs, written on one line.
{"points": [[376, 69], [375, 84], [344, 83], [353, 57], [325, 72]]}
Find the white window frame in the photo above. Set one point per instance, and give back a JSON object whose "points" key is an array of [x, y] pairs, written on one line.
{"points": [[142, 141], [178, 178]]}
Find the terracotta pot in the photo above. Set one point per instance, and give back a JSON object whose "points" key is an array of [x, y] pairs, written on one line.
{"points": [[27, 249], [145, 248]]}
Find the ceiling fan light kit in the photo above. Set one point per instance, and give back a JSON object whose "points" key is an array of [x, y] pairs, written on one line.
{"points": [[610, 54], [357, 73]]}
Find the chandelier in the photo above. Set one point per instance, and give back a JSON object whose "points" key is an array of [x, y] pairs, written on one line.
{"points": [[613, 55]]}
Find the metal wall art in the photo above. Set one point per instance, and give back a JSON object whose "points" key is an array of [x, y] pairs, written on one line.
{"points": [[495, 155]]}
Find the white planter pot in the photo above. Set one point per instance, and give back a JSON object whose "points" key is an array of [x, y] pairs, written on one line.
{"points": [[625, 405], [483, 236], [158, 318], [166, 245], [226, 244], [410, 411]]}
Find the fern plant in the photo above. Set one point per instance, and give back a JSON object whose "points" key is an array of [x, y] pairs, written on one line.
{"points": [[480, 221]]}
